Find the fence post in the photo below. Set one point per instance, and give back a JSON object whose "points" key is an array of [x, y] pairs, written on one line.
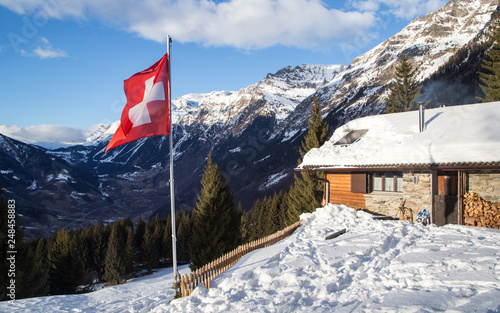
{"points": [[209, 274], [183, 285]]}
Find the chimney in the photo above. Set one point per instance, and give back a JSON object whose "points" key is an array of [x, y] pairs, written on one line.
{"points": [[421, 118]]}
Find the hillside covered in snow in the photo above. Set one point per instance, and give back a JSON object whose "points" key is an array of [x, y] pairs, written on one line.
{"points": [[376, 266]]}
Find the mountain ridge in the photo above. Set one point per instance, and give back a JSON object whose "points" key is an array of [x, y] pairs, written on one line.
{"points": [[254, 133]]}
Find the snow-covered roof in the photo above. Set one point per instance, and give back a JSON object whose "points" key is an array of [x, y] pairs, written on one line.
{"points": [[464, 135]]}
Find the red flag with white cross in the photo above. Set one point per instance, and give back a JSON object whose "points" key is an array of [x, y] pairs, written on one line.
{"points": [[147, 110]]}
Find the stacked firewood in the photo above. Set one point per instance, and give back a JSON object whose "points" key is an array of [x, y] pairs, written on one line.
{"points": [[481, 213]]}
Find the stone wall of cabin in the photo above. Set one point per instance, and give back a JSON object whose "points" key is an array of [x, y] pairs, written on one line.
{"points": [[386, 203], [485, 183], [416, 191]]}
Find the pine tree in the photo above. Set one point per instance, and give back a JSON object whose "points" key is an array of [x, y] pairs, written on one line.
{"points": [[65, 267], [278, 210], [258, 220], [305, 194], [114, 263], [404, 90], [41, 284], [150, 248], [215, 222], [82, 238], [31, 268], [140, 229], [317, 130], [130, 251], [490, 78], [244, 225], [158, 231], [184, 225], [100, 238], [27, 283]]}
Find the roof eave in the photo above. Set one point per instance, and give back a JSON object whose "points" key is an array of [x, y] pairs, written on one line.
{"points": [[402, 167]]}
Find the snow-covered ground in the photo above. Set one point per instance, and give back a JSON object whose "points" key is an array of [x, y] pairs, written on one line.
{"points": [[376, 266]]}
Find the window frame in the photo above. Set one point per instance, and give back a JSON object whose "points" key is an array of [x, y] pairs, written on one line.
{"points": [[385, 177]]}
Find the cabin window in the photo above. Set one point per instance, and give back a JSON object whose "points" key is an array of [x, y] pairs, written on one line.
{"points": [[388, 181]]}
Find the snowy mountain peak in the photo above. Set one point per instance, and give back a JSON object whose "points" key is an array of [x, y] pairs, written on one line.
{"points": [[103, 132], [306, 75], [276, 95], [429, 41]]}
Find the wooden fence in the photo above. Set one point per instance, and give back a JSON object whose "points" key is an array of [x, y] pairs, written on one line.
{"points": [[206, 273]]}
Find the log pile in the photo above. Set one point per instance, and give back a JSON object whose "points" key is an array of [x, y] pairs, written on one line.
{"points": [[481, 213]]}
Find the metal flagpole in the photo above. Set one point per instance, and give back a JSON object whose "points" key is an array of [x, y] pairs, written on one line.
{"points": [[172, 190]]}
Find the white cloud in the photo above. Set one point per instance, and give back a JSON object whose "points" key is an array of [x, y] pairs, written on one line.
{"points": [[45, 133], [407, 9], [45, 51], [49, 52], [245, 24]]}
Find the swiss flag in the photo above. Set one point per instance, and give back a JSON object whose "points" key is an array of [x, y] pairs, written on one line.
{"points": [[147, 108]]}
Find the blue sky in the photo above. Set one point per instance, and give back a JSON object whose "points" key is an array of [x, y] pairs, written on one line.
{"points": [[62, 63]]}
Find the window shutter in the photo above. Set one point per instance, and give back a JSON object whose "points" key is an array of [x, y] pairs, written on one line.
{"points": [[358, 183]]}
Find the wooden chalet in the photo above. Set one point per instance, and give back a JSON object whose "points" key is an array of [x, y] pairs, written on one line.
{"points": [[428, 159]]}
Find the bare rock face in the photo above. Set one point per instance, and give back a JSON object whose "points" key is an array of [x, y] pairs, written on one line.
{"points": [[428, 41]]}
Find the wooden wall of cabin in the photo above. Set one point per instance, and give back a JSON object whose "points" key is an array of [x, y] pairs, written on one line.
{"points": [[340, 191]]}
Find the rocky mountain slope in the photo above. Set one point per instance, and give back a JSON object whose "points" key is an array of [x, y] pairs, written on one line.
{"points": [[254, 133], [429, 42]]}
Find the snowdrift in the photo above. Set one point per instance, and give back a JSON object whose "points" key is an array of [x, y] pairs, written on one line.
{"points": [[376, 266]]}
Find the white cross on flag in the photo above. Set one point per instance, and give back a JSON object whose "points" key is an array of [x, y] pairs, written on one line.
{"points": [[146, 111]]}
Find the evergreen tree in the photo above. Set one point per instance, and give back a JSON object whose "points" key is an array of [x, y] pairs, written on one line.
{"points": [[215, 222], [158, 229], [258, 220], [490, 78], [150, 248], [305, 194], [317, 130], [114, 263], [130, 251], [184, 225], [267, 223], [404, 90], [31, 268], [278, 210], [100, 238], [65, 267], [127, 222], [140, 229], [29, 281], [245, 232], [82, 238], [41, 284]]}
